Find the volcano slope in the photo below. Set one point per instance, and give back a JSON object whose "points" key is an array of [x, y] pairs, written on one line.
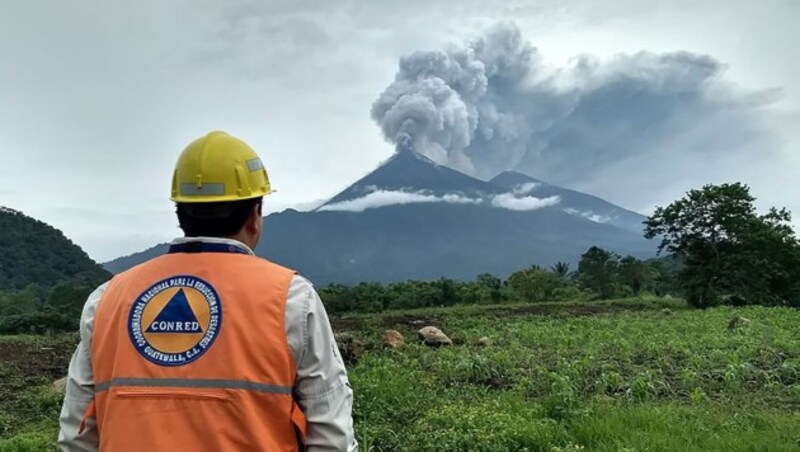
{"points": [[414, 219]]}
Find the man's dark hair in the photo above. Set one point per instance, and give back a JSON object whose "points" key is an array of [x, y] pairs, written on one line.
{"points": [[215, 219]]}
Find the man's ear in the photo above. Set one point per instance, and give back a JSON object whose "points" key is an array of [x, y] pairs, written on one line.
{"points": [[254, 222]]}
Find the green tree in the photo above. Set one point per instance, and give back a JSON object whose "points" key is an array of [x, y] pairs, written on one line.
{"points": [[561, 269], [533, 284], [449, 292], [597, 271], [369, 297], [636, 274], [68, 299], [666, 270], [337, 298], [27, 301], [473, 293], [489, 280], [493, 284], [729, 251], [32, 252]]}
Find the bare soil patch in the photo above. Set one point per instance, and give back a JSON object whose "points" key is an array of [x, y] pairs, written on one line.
{"points": [[24, 364]]}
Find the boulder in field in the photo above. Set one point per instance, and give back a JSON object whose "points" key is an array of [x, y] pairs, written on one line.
{"points": [[485, 342], [60, 385], [351, 348], [392, 339], [433, 336]]}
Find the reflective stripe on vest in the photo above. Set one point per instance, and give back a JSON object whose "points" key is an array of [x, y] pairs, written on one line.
{"points": [[191, 383], [189, 352]]}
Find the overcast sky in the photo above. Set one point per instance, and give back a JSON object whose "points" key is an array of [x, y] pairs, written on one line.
{"points": [[98, 98]]}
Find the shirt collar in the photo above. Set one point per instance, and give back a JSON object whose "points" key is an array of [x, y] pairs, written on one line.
{"points": [[214, 241]]}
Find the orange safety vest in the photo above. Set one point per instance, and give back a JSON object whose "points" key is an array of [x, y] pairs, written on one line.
{"points": [[189, 353]]}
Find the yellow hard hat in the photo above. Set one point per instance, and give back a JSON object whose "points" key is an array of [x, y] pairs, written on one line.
{"points": [[217, 168]]}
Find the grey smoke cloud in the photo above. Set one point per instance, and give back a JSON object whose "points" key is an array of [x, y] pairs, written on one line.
{"points": [[491, 105]]}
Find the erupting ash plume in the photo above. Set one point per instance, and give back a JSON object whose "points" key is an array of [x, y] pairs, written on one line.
{"points": [[491, 105]]}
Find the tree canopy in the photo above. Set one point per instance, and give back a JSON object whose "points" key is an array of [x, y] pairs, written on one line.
{"points": [[32, 252], [44, 277], [730, 252]]}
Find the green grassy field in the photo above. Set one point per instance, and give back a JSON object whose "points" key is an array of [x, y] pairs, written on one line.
{"points": [[628, 375]]}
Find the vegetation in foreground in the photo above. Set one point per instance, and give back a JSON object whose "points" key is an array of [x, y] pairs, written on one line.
{"points": [[618, 375], [29, 405]]}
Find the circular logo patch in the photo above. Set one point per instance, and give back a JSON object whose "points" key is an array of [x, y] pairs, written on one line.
{"points": [[174, 321]]}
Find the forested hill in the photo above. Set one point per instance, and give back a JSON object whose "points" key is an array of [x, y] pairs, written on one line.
{"points": [[32, 252]]}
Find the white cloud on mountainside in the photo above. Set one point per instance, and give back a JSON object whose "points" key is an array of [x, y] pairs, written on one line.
{"points": [[512, 202], [589, 215], [386, 198]]}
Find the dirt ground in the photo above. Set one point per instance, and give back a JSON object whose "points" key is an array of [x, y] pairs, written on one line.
{"points": [[27, 363]]}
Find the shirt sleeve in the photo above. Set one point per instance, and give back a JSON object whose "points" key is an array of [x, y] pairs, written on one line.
{"points": [[80, 386], [322, 389]]}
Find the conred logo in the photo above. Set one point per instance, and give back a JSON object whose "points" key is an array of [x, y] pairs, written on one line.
{"points": [[174, 321]]}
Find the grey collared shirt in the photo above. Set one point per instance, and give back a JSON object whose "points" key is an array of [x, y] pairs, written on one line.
{"points": [[322, 389]]}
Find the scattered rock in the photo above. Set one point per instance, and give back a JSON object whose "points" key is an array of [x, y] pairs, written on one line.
{"points": [[392, 339], [738, 322], [351, 348], [434, 337], [666, 311], [485, 342], [60, 385]]}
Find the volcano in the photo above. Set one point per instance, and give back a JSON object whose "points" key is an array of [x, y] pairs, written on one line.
{"points": [[415, 219], [412, 172]]}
